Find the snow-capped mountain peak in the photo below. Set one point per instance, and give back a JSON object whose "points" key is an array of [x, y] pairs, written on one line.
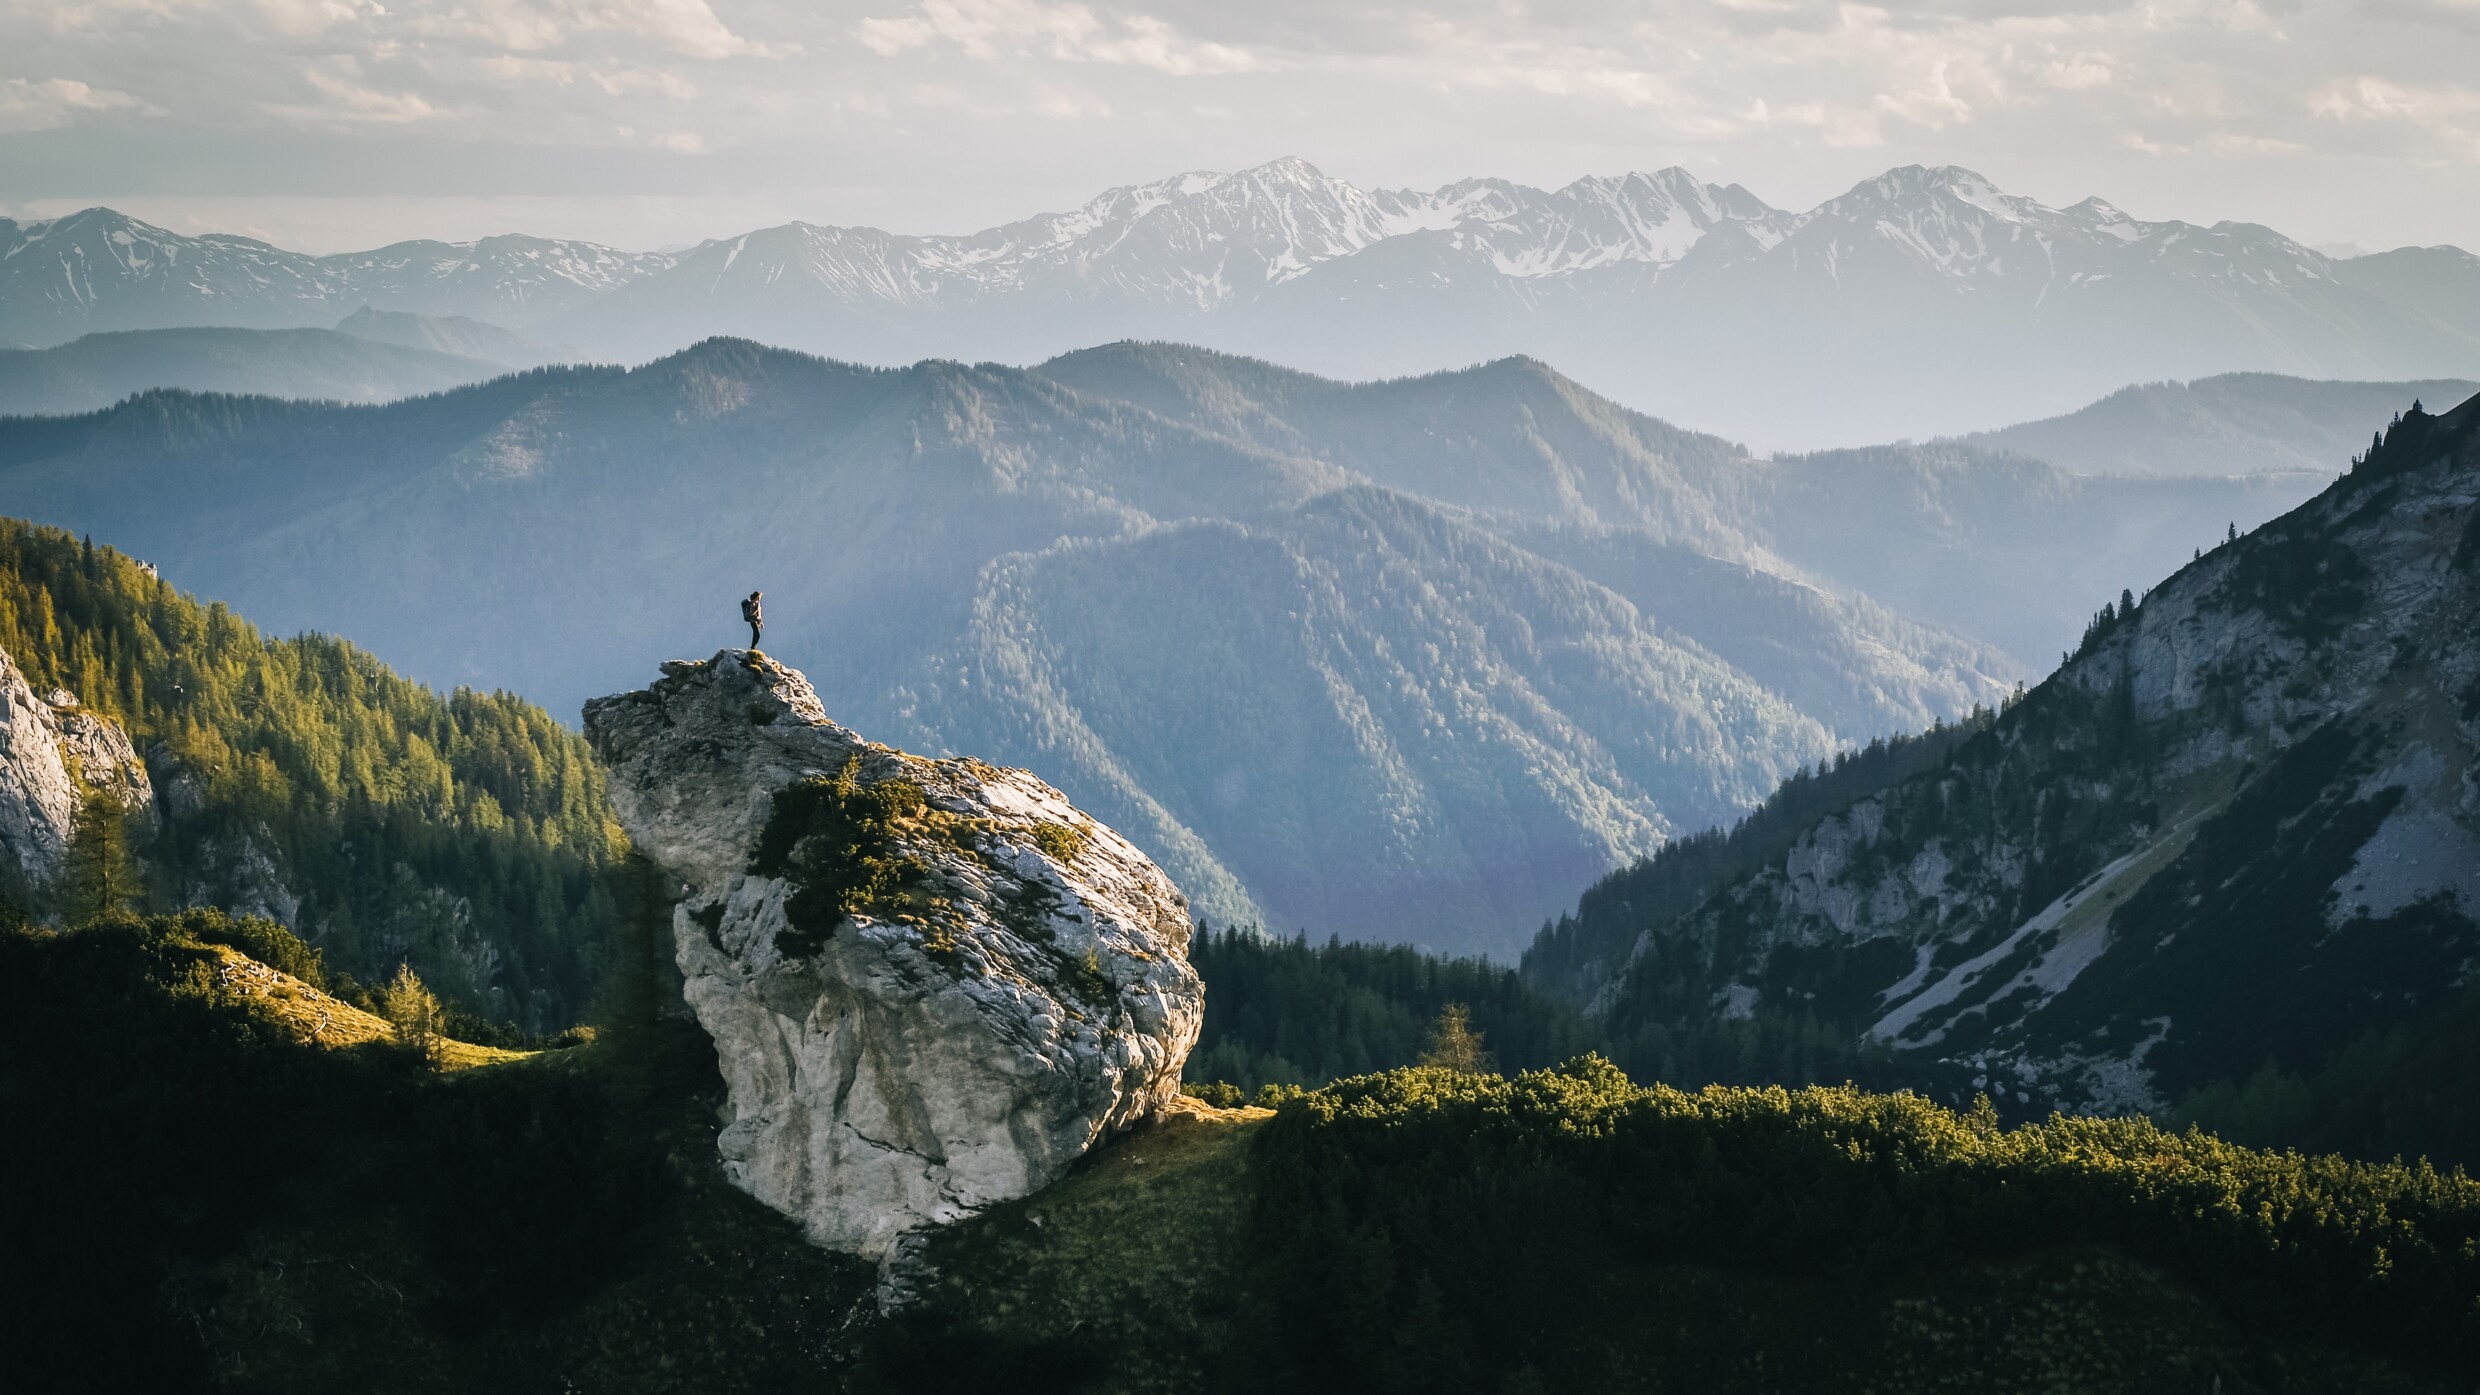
{"points": [[102, 269], [1687, 297]]}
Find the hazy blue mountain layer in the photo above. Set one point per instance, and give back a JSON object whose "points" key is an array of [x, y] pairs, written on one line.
{"points": [[2005, 548], [1323, 702], [461, 335], [2234, 424], [2002, 547], [316, 364], [2226, 861], [1920, 302], [1410, 660]]}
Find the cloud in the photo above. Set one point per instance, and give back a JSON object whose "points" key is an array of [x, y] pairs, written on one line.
{"points": [[2451, 113], [947, 113], [49, 103], [1073, 33], [686, 27], [350, 99]]}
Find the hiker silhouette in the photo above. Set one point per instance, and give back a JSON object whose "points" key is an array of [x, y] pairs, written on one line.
{"points": [[750, 613]]}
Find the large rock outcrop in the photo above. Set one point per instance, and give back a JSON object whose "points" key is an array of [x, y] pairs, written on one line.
{"points": [[932, 984], [48, 745]]}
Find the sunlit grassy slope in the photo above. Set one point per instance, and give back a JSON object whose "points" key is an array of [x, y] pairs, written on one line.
{"points": [[316, 1019]]}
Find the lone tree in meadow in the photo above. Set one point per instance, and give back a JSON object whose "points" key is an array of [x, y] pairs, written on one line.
{"points": [[413, 1013], [1454, 1045]]}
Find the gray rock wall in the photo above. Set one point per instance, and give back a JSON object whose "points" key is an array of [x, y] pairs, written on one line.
{"points": [[47, 745]]}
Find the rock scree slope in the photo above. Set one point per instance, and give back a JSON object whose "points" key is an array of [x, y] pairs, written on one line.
{"points": [[932, 984]]}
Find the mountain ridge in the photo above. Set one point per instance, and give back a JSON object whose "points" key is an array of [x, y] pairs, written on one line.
{"points": [[2235, 423], [943, 537], [94, 371], [1678, 296]]}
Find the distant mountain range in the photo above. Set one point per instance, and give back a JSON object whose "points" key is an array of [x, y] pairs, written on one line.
{"points": [[1411, 660], [101, 270], [1922, 302]]}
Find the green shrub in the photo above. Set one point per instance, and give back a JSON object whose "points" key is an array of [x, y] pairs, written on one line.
{"points": [[834, 838], [1061, 843], [1222, 1094], [256, 936]]}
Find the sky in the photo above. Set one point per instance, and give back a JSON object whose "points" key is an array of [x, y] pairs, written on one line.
{"points": [[332, 125]]}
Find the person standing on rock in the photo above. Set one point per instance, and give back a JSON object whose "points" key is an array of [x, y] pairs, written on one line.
{"points": [[750, 613]]}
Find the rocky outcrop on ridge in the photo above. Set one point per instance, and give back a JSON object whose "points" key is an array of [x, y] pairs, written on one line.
{"points": [[932, 984], [48, 745]]}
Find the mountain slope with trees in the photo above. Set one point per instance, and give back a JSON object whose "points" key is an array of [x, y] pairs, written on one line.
{"points": [[467, 835], [2222, 864]]}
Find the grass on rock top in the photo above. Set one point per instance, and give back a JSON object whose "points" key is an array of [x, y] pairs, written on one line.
{"points": [[853, 847]]}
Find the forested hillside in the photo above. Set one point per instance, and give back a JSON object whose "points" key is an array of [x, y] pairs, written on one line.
{"points": [[467, 834], [2224, 865], [1287, 1012]]}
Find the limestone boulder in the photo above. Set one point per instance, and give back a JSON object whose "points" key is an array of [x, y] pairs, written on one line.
{"points": [[932, 984]]}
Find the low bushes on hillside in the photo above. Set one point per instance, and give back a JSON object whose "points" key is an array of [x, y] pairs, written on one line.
{"points": [[1431, 1230]]}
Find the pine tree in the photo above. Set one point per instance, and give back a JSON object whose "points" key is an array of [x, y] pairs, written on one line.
{"points": [[1454, 1045], [100, 876], [413, 1014]]}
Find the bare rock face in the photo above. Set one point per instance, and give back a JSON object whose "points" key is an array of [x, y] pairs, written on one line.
{"points": [[933, 984], [47, 745]]}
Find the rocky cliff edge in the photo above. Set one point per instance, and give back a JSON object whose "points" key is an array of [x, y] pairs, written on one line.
{"points": [[51, 752], [932, 984]]}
